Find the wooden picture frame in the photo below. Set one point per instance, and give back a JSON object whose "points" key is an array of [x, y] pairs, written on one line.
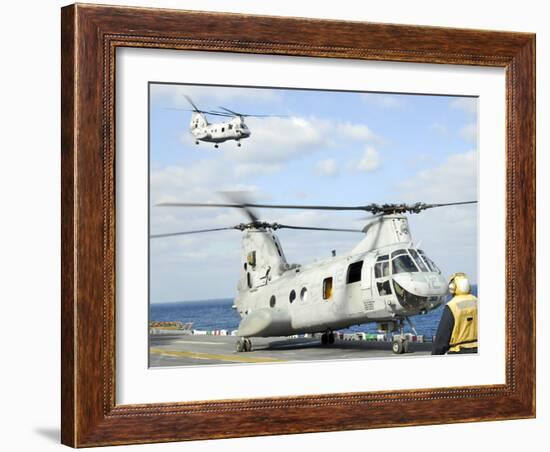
{"points": [[90, 36]]}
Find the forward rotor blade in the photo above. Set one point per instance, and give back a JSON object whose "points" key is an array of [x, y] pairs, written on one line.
{"points": [[199, 231], [312, 228], [372, 208]]}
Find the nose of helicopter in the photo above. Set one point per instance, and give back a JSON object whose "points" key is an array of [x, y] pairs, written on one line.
{"points": [[419, 291]]}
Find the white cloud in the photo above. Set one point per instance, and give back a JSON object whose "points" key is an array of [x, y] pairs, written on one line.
{"points": [[468, 132], [206, 98], [466, 104], [370, 160], [327, 167], [277, 140], [454, 180], [439, 128], [359, 132], [385, 101]]}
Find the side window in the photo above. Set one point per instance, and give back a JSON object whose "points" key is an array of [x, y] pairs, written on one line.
{"points": [[251, 258], [230, 126], [327, 288], [354, 272], [292, 296], [384, 287]]}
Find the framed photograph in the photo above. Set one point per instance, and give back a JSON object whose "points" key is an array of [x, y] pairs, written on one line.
{"points": [[281, 225]]}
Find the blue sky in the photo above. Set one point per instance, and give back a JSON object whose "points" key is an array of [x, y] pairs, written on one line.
{"points": [[325, 148]]}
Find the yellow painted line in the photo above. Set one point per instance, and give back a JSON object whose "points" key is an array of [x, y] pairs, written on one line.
{"points": [[197, 342], [213, 356]]}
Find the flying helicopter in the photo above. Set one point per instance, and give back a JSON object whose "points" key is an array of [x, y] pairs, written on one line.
{"points": [[234, 128], [385, 278]]}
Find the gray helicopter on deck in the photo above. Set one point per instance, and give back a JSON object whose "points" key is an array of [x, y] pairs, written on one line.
{"points": [[383, 279]]}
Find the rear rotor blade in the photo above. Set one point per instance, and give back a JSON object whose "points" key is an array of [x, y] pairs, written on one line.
{"points": [[247, 115], [249, 212], [204, 112], [429, 206], [312, 228], [199, 231]]}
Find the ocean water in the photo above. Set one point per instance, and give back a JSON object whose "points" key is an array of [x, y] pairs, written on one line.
{"points": [[218, 315]]}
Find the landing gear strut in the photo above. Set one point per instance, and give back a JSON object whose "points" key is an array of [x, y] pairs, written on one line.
{"points": [[327, 338], [244, 345], [400, 343]]}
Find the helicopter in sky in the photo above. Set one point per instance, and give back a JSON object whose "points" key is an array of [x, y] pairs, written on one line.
{"points": [[383, 279], [234, 128]]}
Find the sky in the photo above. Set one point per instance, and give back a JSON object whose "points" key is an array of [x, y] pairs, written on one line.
{"points": [[322, 147]]}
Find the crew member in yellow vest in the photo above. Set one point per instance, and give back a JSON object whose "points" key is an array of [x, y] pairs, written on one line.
{"points": [[457, 330]]}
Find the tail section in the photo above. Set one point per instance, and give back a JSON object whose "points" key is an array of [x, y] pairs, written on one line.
{"points": [[198, 120], [262, 259]]}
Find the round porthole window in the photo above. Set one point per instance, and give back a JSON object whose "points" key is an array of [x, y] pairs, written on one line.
{"points": [[272, 301], [292, 296], [303, 294]]}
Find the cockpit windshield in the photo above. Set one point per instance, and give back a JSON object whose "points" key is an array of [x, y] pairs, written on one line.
{"points": [[429, 262], [404, 261], [403, 264], [423, 267]]}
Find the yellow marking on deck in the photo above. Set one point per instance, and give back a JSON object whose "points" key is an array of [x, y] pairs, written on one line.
{"points": [[198, 342], [214, 356]]}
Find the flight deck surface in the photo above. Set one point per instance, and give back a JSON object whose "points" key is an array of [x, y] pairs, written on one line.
{"points": [[167, 350]]}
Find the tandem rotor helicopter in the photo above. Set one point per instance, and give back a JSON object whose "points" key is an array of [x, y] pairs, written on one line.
{"points": [[383, 279], [232, 129]]}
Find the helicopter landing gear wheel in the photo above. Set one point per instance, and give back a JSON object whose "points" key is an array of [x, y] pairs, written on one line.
{"points": [[397, 346], [400, 345], [327, 338], [244, 345], [216, 146], [238, 144], [197, 143]]}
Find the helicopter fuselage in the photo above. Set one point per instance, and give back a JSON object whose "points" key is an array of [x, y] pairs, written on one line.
{"points": [[375, 282], [234, 129]]}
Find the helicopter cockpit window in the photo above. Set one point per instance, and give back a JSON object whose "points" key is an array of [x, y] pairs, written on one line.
{"points": [[382, 269], [384, 257], [354, 272], [419, 262], [403, 264]]}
